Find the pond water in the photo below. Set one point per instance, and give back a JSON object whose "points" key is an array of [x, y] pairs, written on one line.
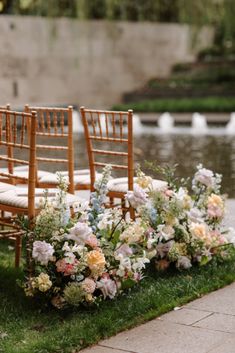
{"points": [[214, 150]]}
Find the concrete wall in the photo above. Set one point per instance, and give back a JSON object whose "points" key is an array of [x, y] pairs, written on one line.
{"points": [[59, 61]]}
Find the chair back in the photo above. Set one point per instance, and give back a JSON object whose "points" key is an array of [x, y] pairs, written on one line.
{"points": [[19, 148], [55, 139], [109, 137]]}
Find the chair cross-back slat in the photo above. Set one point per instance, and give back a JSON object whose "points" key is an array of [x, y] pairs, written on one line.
{"points": [[51, 121], [13, 123], [98, 131]]}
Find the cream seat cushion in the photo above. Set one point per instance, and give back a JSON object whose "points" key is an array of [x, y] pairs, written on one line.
{"points": [[22, 171], [81, 177], [121, 185], [18, 197], [6, 187]]}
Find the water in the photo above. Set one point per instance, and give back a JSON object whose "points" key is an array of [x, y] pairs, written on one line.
{"points": [[214, 148]]}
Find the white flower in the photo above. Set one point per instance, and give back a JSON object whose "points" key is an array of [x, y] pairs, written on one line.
{"points": [[183, 263], [230, 235], [133, 233], [70, 250], [195, 215], [125, 264], [165, 232], [124, 250], [204, 176], [136, 198], [79, 233], [42, 252], [108, 287], [139, 263]]}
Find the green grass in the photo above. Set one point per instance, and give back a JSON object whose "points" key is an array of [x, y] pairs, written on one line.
{"points": [[27, 327], [207, 104]]}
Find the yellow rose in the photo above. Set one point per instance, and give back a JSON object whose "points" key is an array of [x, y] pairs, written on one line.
{"points": [[96, 261], [43, 282]]}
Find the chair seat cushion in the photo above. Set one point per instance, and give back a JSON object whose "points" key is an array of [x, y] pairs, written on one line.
{"points": [[121, 185], [18, 197], [5, 187], [22, 171], [81, 177]]}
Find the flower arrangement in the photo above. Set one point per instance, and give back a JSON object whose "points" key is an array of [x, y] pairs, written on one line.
{"points": [[100, 252], [81, 260], [184, 228]]}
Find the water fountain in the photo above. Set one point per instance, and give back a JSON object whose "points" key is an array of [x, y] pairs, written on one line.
{"points": [[166, 122], [230, 127], [199, 124]]}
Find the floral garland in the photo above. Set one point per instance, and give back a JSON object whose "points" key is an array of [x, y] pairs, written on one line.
{"points": [[99, 253]]}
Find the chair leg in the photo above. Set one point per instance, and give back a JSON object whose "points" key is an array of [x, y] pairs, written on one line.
{"points": [[111, 201], [18, 249], [132, 213]]}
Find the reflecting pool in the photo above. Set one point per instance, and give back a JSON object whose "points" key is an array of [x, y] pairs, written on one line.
{"points": [[214, 151]]}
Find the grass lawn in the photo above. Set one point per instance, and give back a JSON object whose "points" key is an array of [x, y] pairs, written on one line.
{"points": [[27, 327], [207, 104]]}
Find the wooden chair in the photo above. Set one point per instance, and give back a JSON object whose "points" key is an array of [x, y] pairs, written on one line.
{"points": [[59, 140], [109, 140], [18, 134], [13, 138]]}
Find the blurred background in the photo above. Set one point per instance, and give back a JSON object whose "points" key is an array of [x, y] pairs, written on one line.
{"points": [[172, 61]]}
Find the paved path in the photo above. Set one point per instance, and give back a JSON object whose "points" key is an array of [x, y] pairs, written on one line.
{"points": [[206, 325]]}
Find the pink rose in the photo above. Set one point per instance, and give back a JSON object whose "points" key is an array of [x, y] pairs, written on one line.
{"points": [[66, 267]]}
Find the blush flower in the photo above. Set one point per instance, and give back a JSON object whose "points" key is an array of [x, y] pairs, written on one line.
{"points": [[205, 177], [215, 206], [88, 285], [108, 287], [79, 233], [124, 250], [137, 197], [92, 241], [42, 252]]}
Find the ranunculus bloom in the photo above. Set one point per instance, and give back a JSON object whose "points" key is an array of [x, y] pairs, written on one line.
{"points": [[42, 252], [92, 241], [88, 285], [108, 287], [67, 266], [79, 233], [137, 198], [96, 261], [43, 282]]}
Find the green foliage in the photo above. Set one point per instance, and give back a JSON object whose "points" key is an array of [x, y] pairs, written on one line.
{"points": [[207, 104]]}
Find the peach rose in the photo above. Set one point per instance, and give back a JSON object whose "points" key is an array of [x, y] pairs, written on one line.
{"points": [[96, 261]]}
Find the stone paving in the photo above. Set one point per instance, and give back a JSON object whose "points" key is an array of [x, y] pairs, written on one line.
{"points": [[206, 325]]}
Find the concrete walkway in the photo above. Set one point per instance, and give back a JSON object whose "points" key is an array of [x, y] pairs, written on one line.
{"points": [[206, 325]]}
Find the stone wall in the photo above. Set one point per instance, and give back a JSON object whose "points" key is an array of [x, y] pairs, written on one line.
{"points": [[92, 63]]}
